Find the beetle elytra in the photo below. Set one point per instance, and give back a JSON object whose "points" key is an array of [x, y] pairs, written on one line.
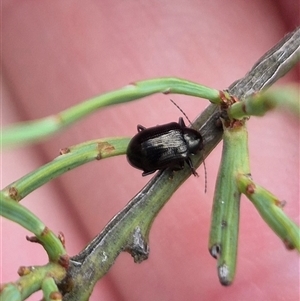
{"points": [[163, 146]]}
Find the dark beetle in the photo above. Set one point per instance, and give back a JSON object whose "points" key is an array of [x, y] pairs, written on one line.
{"points": [[162, 146]]}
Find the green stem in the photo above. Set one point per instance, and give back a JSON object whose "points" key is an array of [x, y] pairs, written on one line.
{"points": [[286, 98], [50, 290], [69, 159], [22, 216], [33, 278], [270, 209], [26, 132], [225, 214]]}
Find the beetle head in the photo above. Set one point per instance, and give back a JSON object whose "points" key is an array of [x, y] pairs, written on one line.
{"points": [[193, 140]]}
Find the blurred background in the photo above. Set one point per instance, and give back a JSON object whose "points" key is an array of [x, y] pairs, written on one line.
{"points": [[56, 54]]}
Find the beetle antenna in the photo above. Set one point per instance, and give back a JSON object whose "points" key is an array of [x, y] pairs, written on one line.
{"points": [[205, 171], [205, 174], [176, 105]]}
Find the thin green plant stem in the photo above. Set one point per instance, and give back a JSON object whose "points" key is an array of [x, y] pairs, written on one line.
{"points": [[10, 292], [70, 158], [270, 209], [286, 98], [31, 280], [19, 214], [50, 290], [26, 132], [226, 205]]}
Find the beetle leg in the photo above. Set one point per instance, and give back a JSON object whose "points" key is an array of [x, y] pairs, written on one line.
{"points": [[146, 173], [181, 122], [140, 128], [181, 164], [190, 164]]}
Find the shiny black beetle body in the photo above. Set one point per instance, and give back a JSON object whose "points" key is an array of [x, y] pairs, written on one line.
{"points": [[162, 146]]}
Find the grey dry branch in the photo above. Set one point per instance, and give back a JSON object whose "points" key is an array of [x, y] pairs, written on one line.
{"points": [[121, 230]]}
